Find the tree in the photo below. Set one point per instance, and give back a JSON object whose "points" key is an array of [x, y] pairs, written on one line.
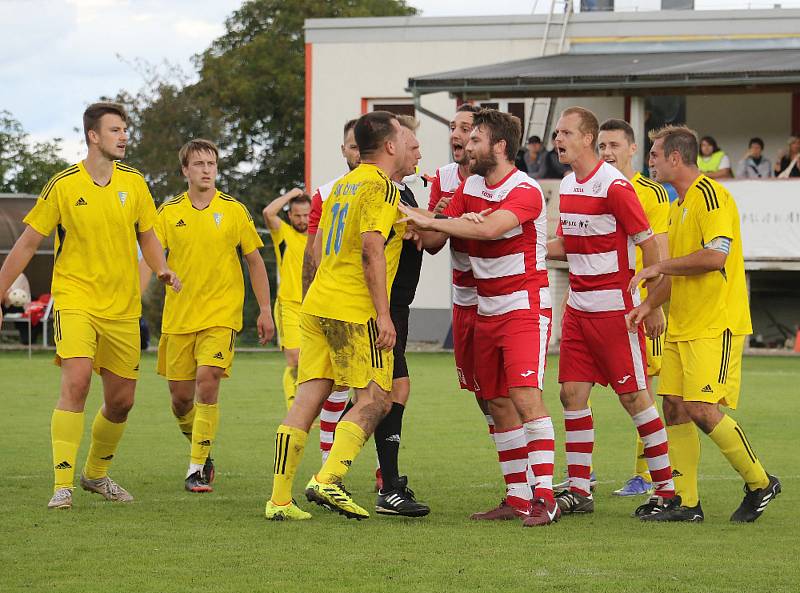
{"points": [[25, 166]]}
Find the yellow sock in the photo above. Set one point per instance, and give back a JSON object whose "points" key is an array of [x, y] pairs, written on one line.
{"points": [[105, 438], [66, 430], [289, 385], [730, 439], [290, 443], [684, 456], [186, 422], [640, 467], [204, 429], [348, 440]]}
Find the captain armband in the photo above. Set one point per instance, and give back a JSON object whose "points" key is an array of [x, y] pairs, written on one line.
{"points": [[721, 244], [641, 237]]}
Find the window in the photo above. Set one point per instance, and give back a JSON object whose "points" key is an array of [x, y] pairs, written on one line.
{"points": [[399, 106]]}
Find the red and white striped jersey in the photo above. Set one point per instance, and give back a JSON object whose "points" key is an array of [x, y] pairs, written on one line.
{"points": [[601, 222], [510, 271], [322, 193], [444, 185]]}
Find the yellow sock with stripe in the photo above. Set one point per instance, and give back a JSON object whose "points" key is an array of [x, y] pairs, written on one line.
{"points": [[684, 457], [640, 467], [66, 430], [733, 443], [186, 422], [289, 385], [290, 442], [348, 440], [204, 430], [106, 435]]}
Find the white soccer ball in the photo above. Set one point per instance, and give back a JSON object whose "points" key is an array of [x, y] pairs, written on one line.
{"points": [[18, 298]]}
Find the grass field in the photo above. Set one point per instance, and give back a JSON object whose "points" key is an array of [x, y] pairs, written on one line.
{"points": [[170, 540]]}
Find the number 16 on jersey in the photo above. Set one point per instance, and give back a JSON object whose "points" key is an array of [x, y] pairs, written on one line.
{"points": [[336, 231]]}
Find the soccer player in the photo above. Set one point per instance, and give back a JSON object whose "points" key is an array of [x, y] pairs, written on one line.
{"points": [[335, 405], [289, 241], [394, 496], [507, 256], [204, 231], [616, 145], [99, 208], [601, 222], [709, 317], [347, 334]]}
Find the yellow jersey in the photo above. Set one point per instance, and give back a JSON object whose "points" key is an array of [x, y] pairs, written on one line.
{"points": [[364, 200], [705, 305], [289, 249], [96, 259], [204, 249], [655, 202]]}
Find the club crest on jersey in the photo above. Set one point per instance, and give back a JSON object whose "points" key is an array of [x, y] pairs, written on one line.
{"points": [[123, 195], [217, 218], [685, 212]]}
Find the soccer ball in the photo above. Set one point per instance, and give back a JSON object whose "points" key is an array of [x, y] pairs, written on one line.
{"points": [[18, 298]]}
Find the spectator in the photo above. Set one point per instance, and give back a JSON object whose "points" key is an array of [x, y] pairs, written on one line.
{"points": [[787, 164], [712, 161], [535, 157], [553, 168], [755, 165]]}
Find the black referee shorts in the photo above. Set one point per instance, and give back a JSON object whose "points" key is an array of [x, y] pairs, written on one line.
{"points": [[400, 319]]}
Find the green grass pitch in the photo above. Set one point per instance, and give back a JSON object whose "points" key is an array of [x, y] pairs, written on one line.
{"points": [[171, 540]]}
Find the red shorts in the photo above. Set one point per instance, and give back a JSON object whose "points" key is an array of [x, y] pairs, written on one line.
{"points": [[601, 350], [512, 353], [463, 330]]}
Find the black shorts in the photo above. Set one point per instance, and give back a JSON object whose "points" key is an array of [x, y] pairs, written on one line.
{"points": [[400, 319]]}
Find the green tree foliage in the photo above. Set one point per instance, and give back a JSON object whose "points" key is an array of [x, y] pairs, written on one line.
{"points": [[25, 166]]}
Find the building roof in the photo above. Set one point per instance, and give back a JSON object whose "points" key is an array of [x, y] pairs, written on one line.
{"points": [[683, 72]]}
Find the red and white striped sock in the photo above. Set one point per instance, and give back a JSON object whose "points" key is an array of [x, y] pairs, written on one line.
{"points": [[656, 451], [329, 417], [512, 451], [580, 442], [541, 439]]}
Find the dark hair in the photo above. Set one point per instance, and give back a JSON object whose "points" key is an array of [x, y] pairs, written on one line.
{"points": [[349, 125], [95, 111], [711, 141], [372, 130], [196, 145], [301, 199], [678, 139], [611, 125], [534, 140], [501, 126], [756, 140], [589, 123], [468, 107]]}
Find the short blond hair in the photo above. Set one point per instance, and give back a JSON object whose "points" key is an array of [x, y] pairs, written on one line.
{"points": [[589, 123], [196, 145], [680, 139]]}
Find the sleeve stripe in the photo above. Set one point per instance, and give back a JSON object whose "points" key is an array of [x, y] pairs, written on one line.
{"points": [[661, 193], [57, 177], [171, 202], [128, 169], [709, 194], [228, 198]]}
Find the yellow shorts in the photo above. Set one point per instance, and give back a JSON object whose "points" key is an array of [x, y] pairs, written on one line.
{"points": [[179, 355], [654, 355], [112, 344], [704, 370], [344, 352], [287, 322]]}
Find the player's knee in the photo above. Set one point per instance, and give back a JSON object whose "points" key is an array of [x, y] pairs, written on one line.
{"points": [[674, 412], [706, 416], [75, 388], [207, 384], [117, 408]]}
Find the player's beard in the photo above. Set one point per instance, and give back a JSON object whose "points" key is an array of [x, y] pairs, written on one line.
{"points": [[482, 164], [111, 156], [300, 228]]}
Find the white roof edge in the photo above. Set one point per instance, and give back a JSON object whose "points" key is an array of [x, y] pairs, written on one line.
{"points": [[518, 19]]}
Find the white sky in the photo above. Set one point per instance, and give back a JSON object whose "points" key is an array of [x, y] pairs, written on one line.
{"points": [[60, 55]]}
